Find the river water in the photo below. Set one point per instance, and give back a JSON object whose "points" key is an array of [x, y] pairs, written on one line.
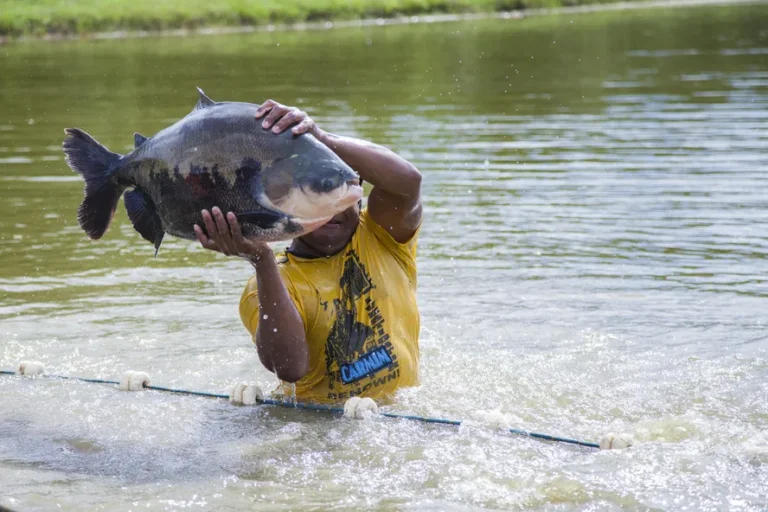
{"points": [[593, 259]]}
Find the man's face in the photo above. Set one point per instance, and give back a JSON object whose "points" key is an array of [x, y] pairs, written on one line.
{"points": [[331, 237]]}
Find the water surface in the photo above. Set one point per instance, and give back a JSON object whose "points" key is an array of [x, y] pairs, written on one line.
{"points": [[593, 259]]}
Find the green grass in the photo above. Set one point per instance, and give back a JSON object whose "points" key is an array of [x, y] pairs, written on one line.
{"points": [[40, 17]]}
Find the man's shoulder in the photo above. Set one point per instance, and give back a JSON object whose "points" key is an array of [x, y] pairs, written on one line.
{"points": [[370, 231]]}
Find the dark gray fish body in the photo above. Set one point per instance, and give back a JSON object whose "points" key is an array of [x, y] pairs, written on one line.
{"points": [[279, 186]]}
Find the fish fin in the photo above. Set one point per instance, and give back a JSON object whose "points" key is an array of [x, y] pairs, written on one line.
{"points": [[143, 215], [203, 101], [95, 164], [265, 219], [139, 139]]}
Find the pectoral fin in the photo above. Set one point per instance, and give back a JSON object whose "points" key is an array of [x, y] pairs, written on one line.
{"points": [[143, 215]]}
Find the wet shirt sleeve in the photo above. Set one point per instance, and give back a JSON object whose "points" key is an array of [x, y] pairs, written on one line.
{"points": [[404, 253]]}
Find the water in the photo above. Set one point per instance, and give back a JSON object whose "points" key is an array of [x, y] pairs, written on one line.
{"points": [[593, 259]]}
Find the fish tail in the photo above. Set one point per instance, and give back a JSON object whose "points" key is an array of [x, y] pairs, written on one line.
{"points": [[95, 164]]}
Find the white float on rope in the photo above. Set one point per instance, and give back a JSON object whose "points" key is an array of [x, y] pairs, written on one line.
{"points": [[236, 395], [30, 368], [360, 408], [133, 381], [613, 441], [252, 394], [355, 408], [494, 419], [245, 394]]}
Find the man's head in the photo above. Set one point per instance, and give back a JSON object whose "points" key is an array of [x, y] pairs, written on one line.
{"points": [[332, 237]]}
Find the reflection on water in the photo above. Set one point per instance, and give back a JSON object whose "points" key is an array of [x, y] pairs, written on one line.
{"points": [[593, 258]]}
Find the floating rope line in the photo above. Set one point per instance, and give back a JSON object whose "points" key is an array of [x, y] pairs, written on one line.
{"points": [[319, 408]]}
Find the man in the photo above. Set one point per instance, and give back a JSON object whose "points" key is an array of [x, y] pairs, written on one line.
{"points": [[337, 315]]}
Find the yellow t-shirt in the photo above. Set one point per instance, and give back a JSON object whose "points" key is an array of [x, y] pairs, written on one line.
{"points": [[360, 316]]}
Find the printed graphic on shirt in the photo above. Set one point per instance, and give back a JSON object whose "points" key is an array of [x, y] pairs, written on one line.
{"points": [[357, 351]]}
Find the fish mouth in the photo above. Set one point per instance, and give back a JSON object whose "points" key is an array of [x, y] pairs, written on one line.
{"points": [[316, 209], [354, 193]]}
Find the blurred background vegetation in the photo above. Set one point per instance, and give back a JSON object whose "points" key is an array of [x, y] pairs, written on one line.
{"points": [[41, 17]]}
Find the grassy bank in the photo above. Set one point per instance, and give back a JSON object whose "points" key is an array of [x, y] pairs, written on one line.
{"points": [[68, 17]]}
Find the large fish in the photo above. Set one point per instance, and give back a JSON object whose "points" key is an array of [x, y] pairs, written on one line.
{"points": [[279, 186]]}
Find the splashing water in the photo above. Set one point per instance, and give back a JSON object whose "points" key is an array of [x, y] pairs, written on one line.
{"points": [[592, 260]]}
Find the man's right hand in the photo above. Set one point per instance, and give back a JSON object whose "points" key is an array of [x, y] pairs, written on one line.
{"points": [[280, 338], [226, 237]]}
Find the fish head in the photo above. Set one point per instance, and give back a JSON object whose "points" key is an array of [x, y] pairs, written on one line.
{"points": [[310, 186]]}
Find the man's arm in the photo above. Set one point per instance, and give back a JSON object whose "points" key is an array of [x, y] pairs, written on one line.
{"points": [[395, 201], [280, 338]]}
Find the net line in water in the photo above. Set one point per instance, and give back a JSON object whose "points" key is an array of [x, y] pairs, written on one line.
{"points": [[315, 407]]}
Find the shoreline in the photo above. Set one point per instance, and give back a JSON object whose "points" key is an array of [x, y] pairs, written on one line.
{"points": [[619, 5]]}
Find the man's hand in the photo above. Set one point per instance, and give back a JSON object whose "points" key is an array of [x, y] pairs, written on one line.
{"points": [[280, 118], [226, 237]]}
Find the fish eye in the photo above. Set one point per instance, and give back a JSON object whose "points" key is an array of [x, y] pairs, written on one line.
{"points": [[328, 184]]}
